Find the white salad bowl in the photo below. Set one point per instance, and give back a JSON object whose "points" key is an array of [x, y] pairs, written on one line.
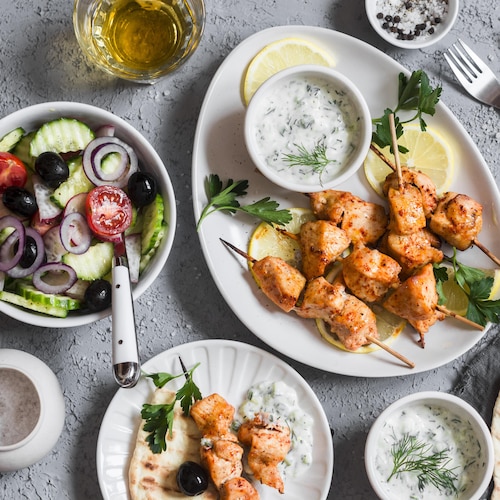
{"points": [[461, 430], [310, 112], [31, 118], [376, 10]]}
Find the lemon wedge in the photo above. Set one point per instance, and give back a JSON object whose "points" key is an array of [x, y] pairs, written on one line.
{"points": [[427, 151], [280, 55], [268, 240]]}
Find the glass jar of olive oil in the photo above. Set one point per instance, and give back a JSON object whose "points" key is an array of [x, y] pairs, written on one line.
{"points": [[139, 40]]}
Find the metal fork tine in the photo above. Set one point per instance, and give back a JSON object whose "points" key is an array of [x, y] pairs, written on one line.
{"points": [[467, 65], [456, 67], [478, 63]]}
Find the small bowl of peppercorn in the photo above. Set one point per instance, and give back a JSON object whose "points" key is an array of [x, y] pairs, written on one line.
{"points": [[412, 24]]}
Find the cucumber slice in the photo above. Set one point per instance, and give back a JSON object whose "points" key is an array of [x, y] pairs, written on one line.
{"points": [[153, 225], [146, 258], [94, 264], [22, 150], [10, 139], [17, 300], [61, 136], [29, 292], [76, 183]]}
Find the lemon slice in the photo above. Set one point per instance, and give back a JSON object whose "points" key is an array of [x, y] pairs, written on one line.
{"points": [[457, 300], [267, 240], [389, 326], [280, 55], [427, 151], [495, 289]]}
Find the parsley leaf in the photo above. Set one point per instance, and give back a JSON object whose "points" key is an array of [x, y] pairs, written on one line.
{"points": [[159, 419], [476, 284], [223, 198], [414, 94]]}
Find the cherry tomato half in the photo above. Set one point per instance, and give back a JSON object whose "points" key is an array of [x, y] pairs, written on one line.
{"points": [[12, 171], [109, 211]]}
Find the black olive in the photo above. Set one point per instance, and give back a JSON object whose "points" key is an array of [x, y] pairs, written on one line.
{"points": [[29, 254], [142, 189], [20, 200], [98, 295], [51, 168], [192, 479]]}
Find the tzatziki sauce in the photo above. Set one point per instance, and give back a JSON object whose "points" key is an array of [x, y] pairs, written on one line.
{"points": [[439, 429], [300, 116], [280, 400]]}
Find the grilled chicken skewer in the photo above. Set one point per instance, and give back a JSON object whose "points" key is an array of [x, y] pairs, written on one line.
{"points": [[353, 319]]}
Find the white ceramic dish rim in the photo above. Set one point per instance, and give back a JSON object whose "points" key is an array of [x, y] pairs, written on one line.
{"points": [[33, 116], [337, 79], [445, 27], [443, 399]]}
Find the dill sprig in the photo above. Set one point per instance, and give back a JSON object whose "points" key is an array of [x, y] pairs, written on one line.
{"points": [[411, 455], [315, 158]]}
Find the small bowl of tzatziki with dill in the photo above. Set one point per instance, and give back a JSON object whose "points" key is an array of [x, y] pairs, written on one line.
{"points": [[308, 128], [429, 445]]}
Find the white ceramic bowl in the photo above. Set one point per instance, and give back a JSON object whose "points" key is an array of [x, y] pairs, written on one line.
{"points": [[31, 118], [34, 400], [312, 126], [380, 439], [417, 42]]}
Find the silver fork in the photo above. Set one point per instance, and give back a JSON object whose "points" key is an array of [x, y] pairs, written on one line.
{"points": [[474, 75]]}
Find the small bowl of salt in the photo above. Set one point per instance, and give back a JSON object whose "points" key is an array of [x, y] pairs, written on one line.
{"points": [[412, 24]]}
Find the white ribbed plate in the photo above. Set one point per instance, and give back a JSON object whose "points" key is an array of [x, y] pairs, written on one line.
{"points": [[226, 367]]}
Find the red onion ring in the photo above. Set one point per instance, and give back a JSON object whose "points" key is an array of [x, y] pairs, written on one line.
{"points": [[21, 272], [9, 259], [54, 270], [101, 153], [92, 162], [105, 131], [75, 233]]}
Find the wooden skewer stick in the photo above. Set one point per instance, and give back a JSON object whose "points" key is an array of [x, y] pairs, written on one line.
{"points": [[481, 247], [371, 339], [382, 157], [284, 232], [238, 251], [385, 347], [467, 321]]}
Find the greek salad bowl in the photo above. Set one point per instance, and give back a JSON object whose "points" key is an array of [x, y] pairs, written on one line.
{"points": [[78, 185], [429, 445], [412, 25]]}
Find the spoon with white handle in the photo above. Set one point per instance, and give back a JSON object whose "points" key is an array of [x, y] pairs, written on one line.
{"points": [[126, 365]]}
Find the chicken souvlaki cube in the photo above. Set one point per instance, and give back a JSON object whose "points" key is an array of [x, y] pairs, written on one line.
{"points": [[363, 221], [348, 317], [321, 243], [416, 300], [458, 219], [370, 274], [279, 281]]}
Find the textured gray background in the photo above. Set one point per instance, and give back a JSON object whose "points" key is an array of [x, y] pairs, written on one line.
{"points": [[40, 61]]}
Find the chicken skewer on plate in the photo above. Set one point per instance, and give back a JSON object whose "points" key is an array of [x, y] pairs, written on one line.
{"points": [[220, 452], [456, 218], [355, 320]]}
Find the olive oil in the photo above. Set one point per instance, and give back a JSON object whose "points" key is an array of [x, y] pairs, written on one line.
{"points": [[142, 35]]}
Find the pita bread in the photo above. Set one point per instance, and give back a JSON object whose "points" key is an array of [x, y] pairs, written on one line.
{"points": [[153, 476], [495, 434]]}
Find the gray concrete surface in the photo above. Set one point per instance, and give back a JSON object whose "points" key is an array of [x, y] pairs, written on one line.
{"points": [[41, 61]]}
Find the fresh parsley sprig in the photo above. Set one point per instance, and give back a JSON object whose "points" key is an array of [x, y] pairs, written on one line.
{"points": [[414, 94], [160, 418], [476, 284], [223, 198], [411, 455]]}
